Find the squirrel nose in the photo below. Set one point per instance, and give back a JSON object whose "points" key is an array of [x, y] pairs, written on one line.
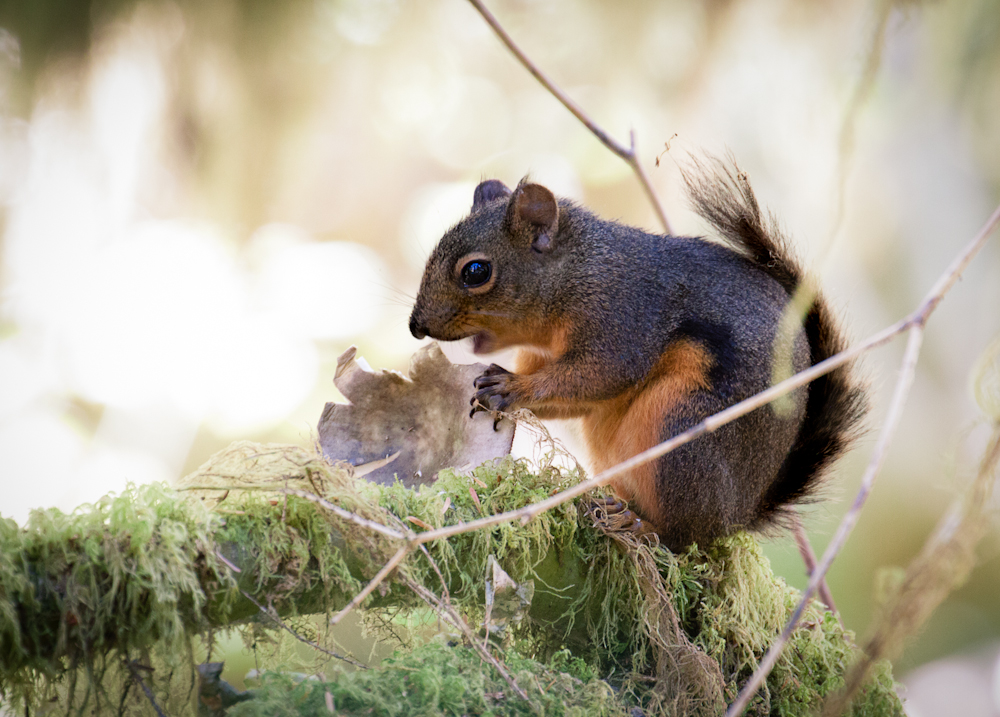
{"points": [[418, 332]]}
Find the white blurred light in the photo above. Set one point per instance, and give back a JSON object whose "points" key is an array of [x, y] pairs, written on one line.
{"points": [[362, 22], [145, 325], [477, 127], [106, 469], [416, 94], [38, 448], [13, 155], [264, 374], [24, 379], [319, 290], [432, 211], [126, 101], [55, 222], [166, 319]]}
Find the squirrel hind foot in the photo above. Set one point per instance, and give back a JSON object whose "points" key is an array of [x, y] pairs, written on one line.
{"points": [[612, 515]]}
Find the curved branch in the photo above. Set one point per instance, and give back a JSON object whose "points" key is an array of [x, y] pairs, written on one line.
{"points": [[916, 320], [626, 153]]}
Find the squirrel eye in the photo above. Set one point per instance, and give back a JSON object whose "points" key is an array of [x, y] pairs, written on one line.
{"points": [[476, 273]]}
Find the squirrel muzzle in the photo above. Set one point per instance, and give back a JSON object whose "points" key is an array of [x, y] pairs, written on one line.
{"points": [[418, 331]]}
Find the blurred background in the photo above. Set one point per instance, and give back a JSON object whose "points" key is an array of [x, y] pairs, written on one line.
{"points": [[203, 204]]}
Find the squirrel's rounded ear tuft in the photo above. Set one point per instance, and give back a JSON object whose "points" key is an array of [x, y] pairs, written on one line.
{"points": [[534, 209], [488, 191]]}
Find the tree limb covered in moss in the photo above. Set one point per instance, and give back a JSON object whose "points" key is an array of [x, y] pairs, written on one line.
{"points": [[141, 569]]}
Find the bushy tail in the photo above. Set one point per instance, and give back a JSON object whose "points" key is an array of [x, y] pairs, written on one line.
{"points": [[837, 401]]}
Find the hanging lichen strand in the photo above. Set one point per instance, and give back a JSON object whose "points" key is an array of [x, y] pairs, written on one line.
{"points": [[90, 601]]}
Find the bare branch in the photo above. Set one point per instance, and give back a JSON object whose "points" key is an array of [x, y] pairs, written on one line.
{"points": [[445, 609], [280, 623], [374, 583], [809, 558], [345, 514], [145, 688], [899, 397], [916, 321], [626, 153], [943, 564]]}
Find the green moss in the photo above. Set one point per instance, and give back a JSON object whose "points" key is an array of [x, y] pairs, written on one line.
{"points": [[139, 575], [436, 679]]}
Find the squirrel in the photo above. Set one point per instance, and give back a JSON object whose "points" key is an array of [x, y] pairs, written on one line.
{"points": [[643, 336]]}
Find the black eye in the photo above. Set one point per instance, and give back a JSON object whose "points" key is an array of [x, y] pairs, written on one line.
{"points": [[476, 273]]}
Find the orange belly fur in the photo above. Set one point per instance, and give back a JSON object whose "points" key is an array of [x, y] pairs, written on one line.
{"points": [[617, 429]]}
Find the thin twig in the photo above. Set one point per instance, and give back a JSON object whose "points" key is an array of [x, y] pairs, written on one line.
{"points": [[893, 416], [145, 688], [449, 614], [942, 565], [375, 582], [345, 514], [280, 623], [626, 153], [809, 558], [445, 593]]}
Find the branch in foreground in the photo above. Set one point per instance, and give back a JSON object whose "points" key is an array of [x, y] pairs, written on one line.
{"points": [[846, 525], [280, 623], [626, 153], [942, 566], [809, 558], [916, 320], [145, 578]]}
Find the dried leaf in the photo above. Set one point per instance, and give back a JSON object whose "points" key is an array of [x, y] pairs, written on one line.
{"points": [[423, 418], [506, 601]]}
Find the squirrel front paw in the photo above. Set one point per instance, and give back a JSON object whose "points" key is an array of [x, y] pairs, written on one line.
{"points": [[494, 392]]}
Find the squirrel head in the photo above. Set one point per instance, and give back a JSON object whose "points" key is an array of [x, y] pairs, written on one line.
{"points": [[490, 274]]}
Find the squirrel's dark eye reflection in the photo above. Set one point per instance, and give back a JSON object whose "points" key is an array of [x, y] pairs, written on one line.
{"points": [[476, 273]]}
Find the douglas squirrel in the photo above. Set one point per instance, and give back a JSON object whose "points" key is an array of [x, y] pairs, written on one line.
{"points": [[643, 336]]}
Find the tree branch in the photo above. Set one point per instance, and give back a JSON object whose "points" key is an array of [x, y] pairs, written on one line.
{"points": [[915, 321], [809, 558], [626, 153]]}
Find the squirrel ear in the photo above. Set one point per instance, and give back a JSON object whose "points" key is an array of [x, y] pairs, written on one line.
{"points": [[488, 191], [534, 209]]}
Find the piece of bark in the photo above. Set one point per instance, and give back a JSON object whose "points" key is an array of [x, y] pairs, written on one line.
{"points": [[423, 418]]}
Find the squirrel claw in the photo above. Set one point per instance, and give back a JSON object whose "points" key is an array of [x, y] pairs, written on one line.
{"points": [[479, 406], [493, 390]]}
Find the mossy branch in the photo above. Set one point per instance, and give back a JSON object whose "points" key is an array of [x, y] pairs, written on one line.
{"points": [[675, 633]]}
